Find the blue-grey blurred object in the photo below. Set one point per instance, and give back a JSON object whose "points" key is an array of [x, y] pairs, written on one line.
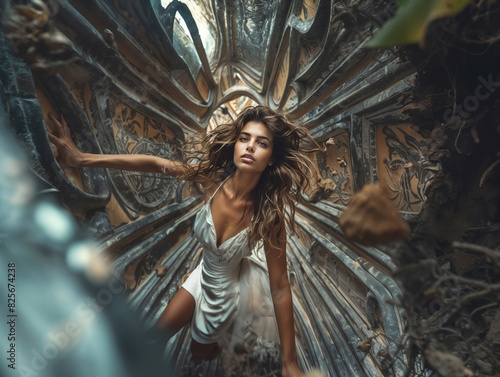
{"points": [[68, 318]]}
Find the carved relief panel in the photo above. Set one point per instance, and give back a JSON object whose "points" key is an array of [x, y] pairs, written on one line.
{"points": [[401, 166], [335, 168], [136, 133], [307, 9], [121, 128]]}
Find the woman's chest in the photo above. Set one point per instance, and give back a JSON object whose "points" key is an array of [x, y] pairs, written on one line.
{"points": [[230, 250], [229, 216]]}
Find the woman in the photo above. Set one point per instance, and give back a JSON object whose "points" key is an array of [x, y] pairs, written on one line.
{"points": [[251, 171]]}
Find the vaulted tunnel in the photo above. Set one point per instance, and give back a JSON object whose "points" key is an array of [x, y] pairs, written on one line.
{"points": [[145, 76]]}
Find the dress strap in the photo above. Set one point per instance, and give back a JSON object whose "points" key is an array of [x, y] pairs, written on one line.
{"points": [[224, 181]]}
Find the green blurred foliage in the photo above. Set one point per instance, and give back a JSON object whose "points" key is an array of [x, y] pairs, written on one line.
{"points": [[412, 19]]}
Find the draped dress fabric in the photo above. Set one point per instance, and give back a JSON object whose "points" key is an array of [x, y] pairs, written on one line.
{"points": [[230, 287]]}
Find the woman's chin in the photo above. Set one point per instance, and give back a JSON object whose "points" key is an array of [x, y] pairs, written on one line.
{"points": [[249, 169]]}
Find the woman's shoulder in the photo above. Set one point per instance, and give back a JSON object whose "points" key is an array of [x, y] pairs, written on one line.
{"points": [[209, 187]]}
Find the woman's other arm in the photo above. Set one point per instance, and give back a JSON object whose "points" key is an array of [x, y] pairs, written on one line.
{"points": [[282, 301], [70, 156]]}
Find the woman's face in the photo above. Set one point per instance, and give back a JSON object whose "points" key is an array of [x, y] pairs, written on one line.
{"points": [[253, 150]]}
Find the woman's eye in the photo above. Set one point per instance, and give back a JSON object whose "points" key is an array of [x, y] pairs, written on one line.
{"points": [[243, 139], [262, 144]]}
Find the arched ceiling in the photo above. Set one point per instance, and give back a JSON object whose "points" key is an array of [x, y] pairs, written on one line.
{"points": [[290, 55]]}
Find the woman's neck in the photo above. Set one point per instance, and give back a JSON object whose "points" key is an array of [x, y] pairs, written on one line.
{"points": [[243, 184]]}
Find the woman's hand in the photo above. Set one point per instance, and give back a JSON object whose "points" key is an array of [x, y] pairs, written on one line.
{"points": [[69, 155]]}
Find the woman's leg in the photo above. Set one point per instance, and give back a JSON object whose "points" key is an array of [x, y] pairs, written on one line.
{"points": [[178, 313], [202, 351]]}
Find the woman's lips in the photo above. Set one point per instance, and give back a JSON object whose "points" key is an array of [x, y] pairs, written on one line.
{"points": [[247, 158]]}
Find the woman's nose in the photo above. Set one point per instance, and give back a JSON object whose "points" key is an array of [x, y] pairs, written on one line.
{"points": [[250, 145]]}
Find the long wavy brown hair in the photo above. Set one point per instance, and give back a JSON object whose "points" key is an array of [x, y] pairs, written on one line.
{"points": [[281, 185]]}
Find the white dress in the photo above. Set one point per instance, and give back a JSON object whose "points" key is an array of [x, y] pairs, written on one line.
{"points": [[230, 287]]}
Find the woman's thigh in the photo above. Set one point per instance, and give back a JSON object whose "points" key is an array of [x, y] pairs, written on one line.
{"points": [[178, 312]]}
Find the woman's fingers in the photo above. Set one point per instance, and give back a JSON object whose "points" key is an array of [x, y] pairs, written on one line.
{"points": [[54, 140], [58, 126], [61, 119], [64, 125], [68, 153]]}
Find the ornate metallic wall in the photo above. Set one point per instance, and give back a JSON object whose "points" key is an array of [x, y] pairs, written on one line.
{"points": [[143, 76]]}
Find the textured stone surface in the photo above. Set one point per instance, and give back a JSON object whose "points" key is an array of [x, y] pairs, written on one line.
{"points": [[144, 83]]}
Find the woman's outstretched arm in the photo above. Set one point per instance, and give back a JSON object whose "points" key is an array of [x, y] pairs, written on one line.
{"points": [[70, 156], [282, 300]]}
